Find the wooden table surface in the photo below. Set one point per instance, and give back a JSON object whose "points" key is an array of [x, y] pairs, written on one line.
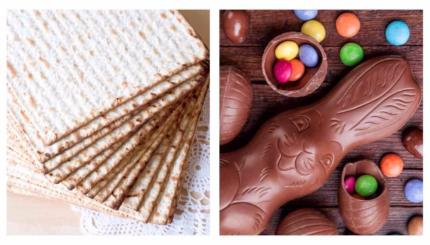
{"points": [[264, 26], [27, 215]]}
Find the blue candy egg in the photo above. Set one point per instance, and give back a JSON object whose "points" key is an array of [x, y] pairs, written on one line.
{"points": [[306, 14], [414, 190], [397, 32], [308, 55]]}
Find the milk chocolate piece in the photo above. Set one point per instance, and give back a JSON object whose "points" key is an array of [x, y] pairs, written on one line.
{"points": [[236, 25], [294, 153], [235, 102], [413, 141], [306, 221], [364, 216]]}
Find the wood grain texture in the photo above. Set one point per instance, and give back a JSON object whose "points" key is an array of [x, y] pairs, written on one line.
{"points": [[265, 25]]}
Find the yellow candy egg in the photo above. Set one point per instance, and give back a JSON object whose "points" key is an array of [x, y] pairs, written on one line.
{"points": [[287, 50], [314, 29]]}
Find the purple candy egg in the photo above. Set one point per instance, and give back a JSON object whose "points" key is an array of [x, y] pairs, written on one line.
{"points": [[308, 55], [282, 71], [349, 184]]}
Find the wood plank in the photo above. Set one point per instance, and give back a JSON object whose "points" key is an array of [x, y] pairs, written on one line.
{"points": [[397, 220], [248, 60], [266, 24]]}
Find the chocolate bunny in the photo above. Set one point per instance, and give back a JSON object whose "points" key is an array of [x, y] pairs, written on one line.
{"points": [[294, 153]]}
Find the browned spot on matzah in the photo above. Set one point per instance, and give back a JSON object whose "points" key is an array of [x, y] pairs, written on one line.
{"points": [[24, 116], [163, 15], [113, 31], [32, 101], [11, 69], [173, 28], [45, 62], [45, 25], [31, 41], [37, 13], [142, 35]]}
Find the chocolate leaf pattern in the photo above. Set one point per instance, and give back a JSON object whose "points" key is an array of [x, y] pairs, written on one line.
{"points": [[385, 112], [370, 86]]}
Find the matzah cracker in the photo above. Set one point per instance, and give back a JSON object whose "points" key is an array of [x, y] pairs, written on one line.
{"points": [[113, 56], [162, 213], [73, 165], [118, 133], [146, 147], [22, 178], [76, 141], [120, 191]]}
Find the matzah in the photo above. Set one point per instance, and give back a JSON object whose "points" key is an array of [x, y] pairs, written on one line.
{"points": [[114, 56], [75, 141]]}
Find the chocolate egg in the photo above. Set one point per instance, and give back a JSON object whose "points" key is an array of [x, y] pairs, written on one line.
{"points": [[415, 225], [236, 25], [306, 221], [363, 216], [235, 102], [413, 141]]}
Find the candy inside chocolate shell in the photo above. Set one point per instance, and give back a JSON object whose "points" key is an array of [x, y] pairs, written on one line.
{"points": [[364, 216], [235, 102], [306, 221]]}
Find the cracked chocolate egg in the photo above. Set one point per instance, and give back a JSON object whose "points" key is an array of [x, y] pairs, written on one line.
{"points": [[235, 102], [307, 221], [361, 215]]}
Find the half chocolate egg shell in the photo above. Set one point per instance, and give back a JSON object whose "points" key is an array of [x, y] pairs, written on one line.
{"points": [[364, 216]]}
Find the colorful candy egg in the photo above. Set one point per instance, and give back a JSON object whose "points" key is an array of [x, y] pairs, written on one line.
{"points": [[391, 165], [397, 32], [315, 29], [287, 50], [306, 14], [308, 55], [282, 71], [414, 190], [351, 54], [366, 185], [298, 69], [349, 184], [415, 225], [347, 25]]}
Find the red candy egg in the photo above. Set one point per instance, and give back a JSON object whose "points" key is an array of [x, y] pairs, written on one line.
{"points": [[282, 71]]}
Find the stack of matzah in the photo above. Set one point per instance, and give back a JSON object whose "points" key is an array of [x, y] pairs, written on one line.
{"points": [[103, 106]]}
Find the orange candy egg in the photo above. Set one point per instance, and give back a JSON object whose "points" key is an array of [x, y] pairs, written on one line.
{"points": [[298, 69], [347, 24], [391, 165]]}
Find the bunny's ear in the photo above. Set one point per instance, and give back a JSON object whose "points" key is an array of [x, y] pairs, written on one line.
{"points": [[388, 111], [369, 81], [382, 94]]}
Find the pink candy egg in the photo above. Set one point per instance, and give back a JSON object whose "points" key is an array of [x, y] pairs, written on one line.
{"points": [[282, 71], [349, 184]]}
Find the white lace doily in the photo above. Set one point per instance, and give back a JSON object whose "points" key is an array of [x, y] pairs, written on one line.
{"points": [[192, 213]]}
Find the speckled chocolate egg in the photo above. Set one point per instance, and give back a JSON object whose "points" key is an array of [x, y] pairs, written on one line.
{"points": [[235, 102], [236, 25], [306, 221], [413, 141]]}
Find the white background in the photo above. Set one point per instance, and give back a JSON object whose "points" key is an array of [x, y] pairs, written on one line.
{"points": [[214, 6]]}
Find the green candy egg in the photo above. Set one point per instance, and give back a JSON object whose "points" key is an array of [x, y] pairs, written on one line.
{"points": [[351, 54], [366, 185]]}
